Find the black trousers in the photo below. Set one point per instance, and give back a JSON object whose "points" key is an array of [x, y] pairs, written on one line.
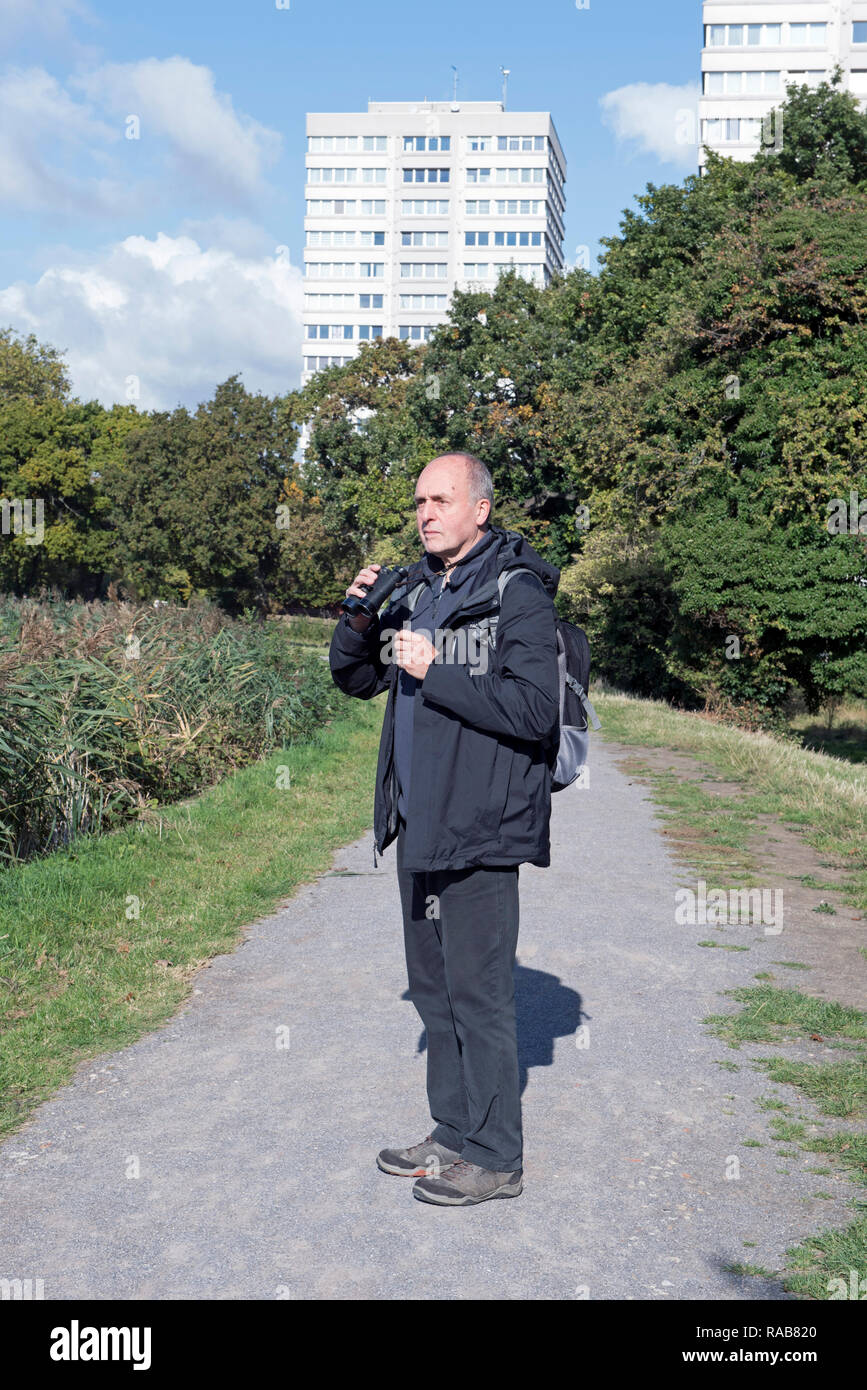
{"points": [[461, 933]]}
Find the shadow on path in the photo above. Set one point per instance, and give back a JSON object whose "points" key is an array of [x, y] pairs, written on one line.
{"points": [[545, 1009]]}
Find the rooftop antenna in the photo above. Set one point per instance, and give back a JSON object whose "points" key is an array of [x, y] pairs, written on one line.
{"points": [[455, 88], [505, 72]]}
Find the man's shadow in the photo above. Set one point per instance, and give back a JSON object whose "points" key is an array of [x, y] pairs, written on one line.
{"points": [[545, 1009]]}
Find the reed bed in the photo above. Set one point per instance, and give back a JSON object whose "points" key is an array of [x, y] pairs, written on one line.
{"points": [[109, 708]]}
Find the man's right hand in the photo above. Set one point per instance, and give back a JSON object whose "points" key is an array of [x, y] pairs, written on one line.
{"points": [[368, 577]]}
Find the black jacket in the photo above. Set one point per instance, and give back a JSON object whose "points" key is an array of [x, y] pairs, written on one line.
{"points": [[480, 791]]}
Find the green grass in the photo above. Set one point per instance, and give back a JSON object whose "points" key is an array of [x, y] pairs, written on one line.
{"points": [[771, 1014], [81, 973], [838, 1088], [824, 797], [821, 1260], [845, 738]]}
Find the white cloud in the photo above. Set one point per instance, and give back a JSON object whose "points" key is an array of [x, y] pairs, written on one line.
{"points": [[177, 100], [177, 317], [46, 20], [68, 154], [661, 119], [35, 111]]}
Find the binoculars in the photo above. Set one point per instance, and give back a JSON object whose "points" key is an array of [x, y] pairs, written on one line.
{"points": [[376, 594]]}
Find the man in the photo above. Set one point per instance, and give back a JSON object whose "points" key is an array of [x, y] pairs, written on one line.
{"points": [[464, 786]]}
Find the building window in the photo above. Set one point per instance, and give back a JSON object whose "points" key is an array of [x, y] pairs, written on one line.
{"points": [[807, 35], [422, 143], [858, 82], [424, 207], [733, 83], [371, 270], [329, 330], [476, 270], [478, 142], [423, 270], [520, 142], [513, 206], [810, 78], [435, 303], [370, 330], [370, 301], [478, 176], [330, 270], [476, 238], [316, 364], [416, 332], [426, 175], [517, 238], [377, 143], [347, 238], [328, 175], [521, 175], [331, 207], [859, 31], [373, 207], [320, 302], [434, 239], [736, 35], [328, 144], [727, 130]]}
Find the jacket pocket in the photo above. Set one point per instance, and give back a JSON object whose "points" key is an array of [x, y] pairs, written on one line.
{"points": [[497, 798]]}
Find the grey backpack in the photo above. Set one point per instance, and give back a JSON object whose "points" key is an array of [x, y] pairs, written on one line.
{"points": [[573, 660]]}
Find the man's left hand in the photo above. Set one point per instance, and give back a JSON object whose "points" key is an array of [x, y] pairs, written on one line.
{"points": [[413, 652]]}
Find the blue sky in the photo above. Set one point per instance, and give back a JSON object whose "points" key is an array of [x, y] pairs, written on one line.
{"points": [[163, 264]]}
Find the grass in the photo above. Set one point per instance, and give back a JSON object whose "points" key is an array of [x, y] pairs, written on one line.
{"points": [[825, 799], [307, 632], [99, 943], [771, 1015], [822, 796], [106, 708], [838, 1088], [820, 1267], [846, 737]]}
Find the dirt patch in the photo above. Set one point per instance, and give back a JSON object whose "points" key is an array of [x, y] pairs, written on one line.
{"points": [[826, 942]]}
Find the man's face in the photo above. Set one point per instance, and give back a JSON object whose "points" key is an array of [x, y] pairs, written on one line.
{"points": [[446, 516]]}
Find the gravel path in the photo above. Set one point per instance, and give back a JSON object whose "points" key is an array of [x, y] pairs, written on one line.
{"points": [[255, 1162]]}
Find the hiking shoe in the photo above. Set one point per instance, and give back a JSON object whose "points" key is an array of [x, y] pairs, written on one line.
{"points": [[463, 1184], [424, 1160]]}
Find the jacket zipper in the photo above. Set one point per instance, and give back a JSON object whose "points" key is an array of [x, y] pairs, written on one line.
{"points": [[467, 603]]}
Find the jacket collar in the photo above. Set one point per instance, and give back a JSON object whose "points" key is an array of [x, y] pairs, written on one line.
{"points": [[468, 564], [502, 549]]}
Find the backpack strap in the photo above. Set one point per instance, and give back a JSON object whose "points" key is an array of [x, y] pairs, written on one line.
{"points": [[489, 625], [585, 700]]}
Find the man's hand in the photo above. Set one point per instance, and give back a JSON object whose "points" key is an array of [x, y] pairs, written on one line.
{"points": [[367, 577], [413, 652]]}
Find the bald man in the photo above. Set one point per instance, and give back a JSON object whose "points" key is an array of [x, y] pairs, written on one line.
{"points": [[464, 787]]}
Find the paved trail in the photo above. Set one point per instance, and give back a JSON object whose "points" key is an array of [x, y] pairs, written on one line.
{"points": [[256, 1162]]}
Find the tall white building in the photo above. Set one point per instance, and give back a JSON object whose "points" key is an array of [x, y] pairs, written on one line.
{"points": [[410, 200], [754, 48]]}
